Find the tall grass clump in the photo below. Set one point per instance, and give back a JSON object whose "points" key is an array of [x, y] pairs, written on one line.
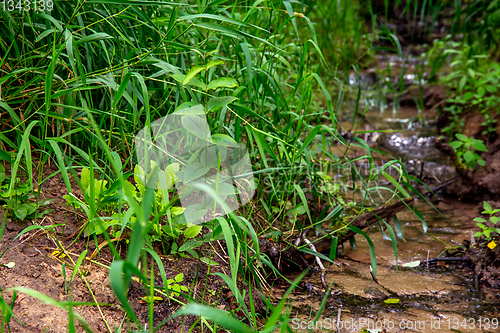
{"points": [[80, 81]]}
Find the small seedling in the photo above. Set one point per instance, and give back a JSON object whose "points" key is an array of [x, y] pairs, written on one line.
{"points": [[487, 231], [175, 286]]}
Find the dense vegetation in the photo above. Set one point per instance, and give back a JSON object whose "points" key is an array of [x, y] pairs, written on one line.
{"points": [[79, 81]]}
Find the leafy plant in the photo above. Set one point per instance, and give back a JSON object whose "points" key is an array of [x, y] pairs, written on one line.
{"points": [[466, 147], [489, 123], [455, 118], [20, 199], [106, 200], [252, 71], [487, 231], [173, 284]]}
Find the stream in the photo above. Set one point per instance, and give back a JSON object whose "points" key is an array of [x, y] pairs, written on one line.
{"points": [[434, 298]]}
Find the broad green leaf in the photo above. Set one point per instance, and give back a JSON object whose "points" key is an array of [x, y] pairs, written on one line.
{"points": [[191, 74], [209, 261], [190, 244], [479, 145], [192, 231], [21, 212], [194, 212], [462, 83], [461, 137], [471, 72], [210, 156], [189, 109], [225, 189], [198, 84], [217, 103], [224, 140], [179, 78], [468, 95], [194, 171], [468, 156], [223, 82], [481, 91], [177, 210], [85, 178], [213, 63], [197, 126], [171, 174]]}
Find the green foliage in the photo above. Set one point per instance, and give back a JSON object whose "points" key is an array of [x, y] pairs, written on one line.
{"points": [[173, 284], [473, 77], [339, 27], [456, 120], [98, 72], [22, 201], [487, 230], [466, 147], [107, 204]]}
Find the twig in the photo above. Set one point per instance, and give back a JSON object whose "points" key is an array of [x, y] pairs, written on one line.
{"points": [[428, 253], [318, 260]]}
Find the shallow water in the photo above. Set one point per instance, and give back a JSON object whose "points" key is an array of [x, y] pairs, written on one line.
{"points": [[437, 298], [433, 298]]}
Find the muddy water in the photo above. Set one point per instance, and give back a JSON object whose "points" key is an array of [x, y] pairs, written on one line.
{"points": [[434, 298], [431, 298]]}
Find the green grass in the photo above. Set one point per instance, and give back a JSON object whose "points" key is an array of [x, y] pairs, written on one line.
{"points": [[80, 82]]}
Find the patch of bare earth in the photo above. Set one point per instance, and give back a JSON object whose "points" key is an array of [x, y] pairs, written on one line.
{"points": [[37, 268]]}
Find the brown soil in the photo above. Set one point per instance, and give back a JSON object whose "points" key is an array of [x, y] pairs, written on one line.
{"points": [[36, 268]]}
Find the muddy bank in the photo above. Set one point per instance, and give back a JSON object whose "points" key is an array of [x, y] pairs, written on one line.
{"points": [[38, 267], [444, 292]]}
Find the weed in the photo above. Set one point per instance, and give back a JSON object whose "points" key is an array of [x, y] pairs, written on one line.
{"points": [[20, 199], [465, 147], [487, 231], [111, 69], [173, 284]]}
